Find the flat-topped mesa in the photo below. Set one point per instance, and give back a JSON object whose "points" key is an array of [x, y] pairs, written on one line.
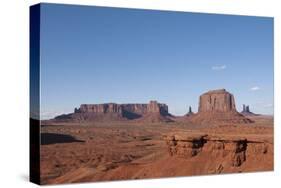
{"points": [[155, 107], [218, 106], [151, 107], [100, 108], [156, 113], [135, 108], [114, 111], [217, 101]]}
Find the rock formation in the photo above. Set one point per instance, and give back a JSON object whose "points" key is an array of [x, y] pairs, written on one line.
{"points": [[100, 108], [217, 101], [232, 150], [151, 107], [218, 106], [215, 107], [112, 111], [155, 113], [189, 111], [246, 111], [76, 110]]}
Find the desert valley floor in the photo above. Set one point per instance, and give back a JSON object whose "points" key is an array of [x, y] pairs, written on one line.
{"points": [[122, 150]]}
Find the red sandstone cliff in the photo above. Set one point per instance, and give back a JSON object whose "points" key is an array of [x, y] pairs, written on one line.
{"points": [[152, 112], [218, 106]]}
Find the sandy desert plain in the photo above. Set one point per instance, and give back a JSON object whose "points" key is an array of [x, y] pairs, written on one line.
{"points": [[102, 142]]}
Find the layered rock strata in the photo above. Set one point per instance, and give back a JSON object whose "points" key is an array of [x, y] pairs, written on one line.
{"points": [[114, 111], [218, 106], [232, 150]]}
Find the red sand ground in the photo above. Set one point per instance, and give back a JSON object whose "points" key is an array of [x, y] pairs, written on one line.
{"points": [[136, 150]]}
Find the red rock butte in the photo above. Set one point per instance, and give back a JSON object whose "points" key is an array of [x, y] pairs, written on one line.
{"points": [[217, 101], [152, 112], [218, 106], [215, 106]]}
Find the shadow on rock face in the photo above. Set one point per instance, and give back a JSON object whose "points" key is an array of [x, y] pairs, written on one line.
{"points": [[54, 138]]}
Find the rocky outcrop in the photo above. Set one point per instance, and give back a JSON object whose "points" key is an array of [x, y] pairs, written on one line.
{"points": [[232, 150], [151, 107], [154, 107], [218, 106], [189, 113], [215, 107], [100, 108], [217, 101], [76, 110], [135, 108], [112, 111], [185, 145], [154, 112], [246, 111]]}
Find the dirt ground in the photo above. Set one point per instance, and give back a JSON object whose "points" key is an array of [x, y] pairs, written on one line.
{"points": [[133, 150]]}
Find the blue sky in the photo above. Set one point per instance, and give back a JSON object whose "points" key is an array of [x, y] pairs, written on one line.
{"points": [[99, 55]]}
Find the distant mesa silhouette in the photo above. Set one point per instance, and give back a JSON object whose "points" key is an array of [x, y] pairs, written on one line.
{"points": [[189, 113], [246, 111], [215, 106], [153, 111]]}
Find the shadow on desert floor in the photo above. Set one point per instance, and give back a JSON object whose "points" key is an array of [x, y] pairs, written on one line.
{"points": [[54, 138]]}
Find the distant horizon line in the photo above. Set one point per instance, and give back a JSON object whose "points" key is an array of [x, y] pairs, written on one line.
{"points": [[62, 112]]}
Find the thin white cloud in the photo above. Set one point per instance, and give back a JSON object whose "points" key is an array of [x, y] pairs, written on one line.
{"points": [[268, 105], [219, 68], [255, 88]]}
